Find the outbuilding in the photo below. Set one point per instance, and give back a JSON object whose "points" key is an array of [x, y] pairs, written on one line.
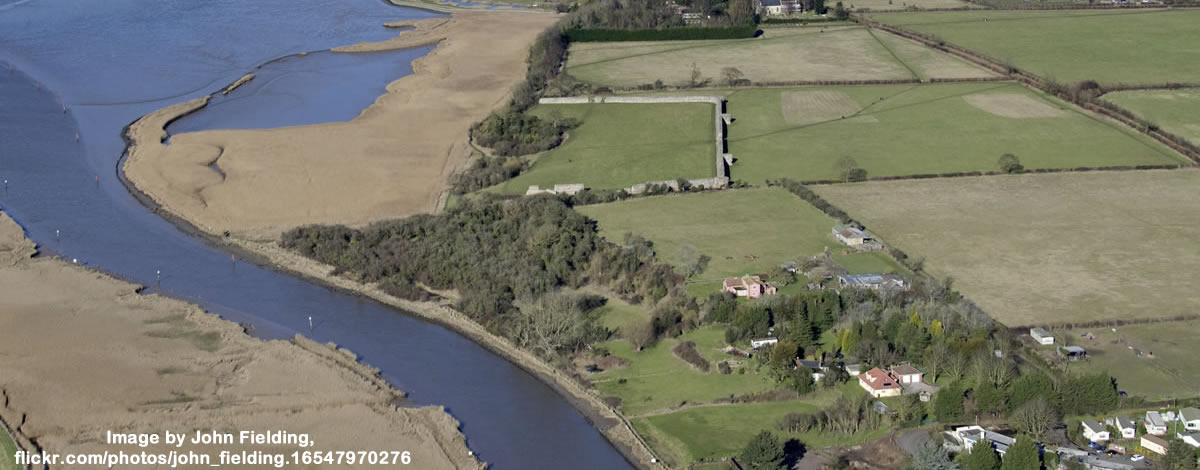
{"points": [[1041, 336]]}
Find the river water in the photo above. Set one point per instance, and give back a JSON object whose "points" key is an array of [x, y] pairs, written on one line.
{"points": [[111, 62]]}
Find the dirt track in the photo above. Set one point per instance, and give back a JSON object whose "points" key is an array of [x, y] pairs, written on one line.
{"points": [[82, 354], [393, 160]]}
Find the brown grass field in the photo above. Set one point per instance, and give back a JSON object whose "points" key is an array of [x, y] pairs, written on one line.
{"points": [[1048, 249], [780, 55], [1166, 367]]}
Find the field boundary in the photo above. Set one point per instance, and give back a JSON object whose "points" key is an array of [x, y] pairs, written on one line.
{"points": [[1068, 6], [1122, 116], [1108, 323], [721, 119], [962, 174]]}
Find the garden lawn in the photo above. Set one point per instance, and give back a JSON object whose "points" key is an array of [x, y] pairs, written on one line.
{"points": [[1141, 46], [1172, 372], [619, 145], [722, 431], [801, 133], [808, 53], [1050, 249], [1175, 111], [744, 231], [657, 380]]}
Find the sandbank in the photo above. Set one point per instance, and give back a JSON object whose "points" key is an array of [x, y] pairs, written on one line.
{"points": [[82, 353], [393, 160]]}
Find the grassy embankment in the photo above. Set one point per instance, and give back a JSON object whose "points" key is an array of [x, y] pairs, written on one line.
{"points": [[1122, 46], [8, 452], [1176, 111], [743, 231], [618, 145], [807, 53], [914, 129]]}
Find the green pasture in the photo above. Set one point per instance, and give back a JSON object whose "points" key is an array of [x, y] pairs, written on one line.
{"points": [[708, 432], [782, 54], [747, 231], [1122, 46], [1166, 368], [802, 133], [618, 145], [1175, 111]]}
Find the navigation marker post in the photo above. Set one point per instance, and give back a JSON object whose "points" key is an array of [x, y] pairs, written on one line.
{"points": [[310, 328], [158, 276]]}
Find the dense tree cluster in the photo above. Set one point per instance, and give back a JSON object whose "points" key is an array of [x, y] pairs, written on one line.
{"points": [[514, 133], [495, 253], [487, 171]]}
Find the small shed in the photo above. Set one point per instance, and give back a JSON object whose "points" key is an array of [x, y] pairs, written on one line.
{"points": [[1072, 353], [1041, 336]]}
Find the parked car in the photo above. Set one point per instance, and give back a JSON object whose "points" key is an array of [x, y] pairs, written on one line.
{"points": [[1137, 457]]}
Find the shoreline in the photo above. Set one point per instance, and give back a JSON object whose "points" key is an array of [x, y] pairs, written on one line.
{"points": [[215, 374], [138, 135]]}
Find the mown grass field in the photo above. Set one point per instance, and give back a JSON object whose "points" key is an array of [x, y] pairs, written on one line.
{"points": [[903, 4], [1144, 46], [747, 231], [656, 380], [890, 130], [780, 55], [721, 431], [1176, 111], [618, 145], [1172, 371], [1048, 249]]}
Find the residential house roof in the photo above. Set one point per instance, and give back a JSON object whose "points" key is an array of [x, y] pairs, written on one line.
{"points": [[906, 369], [1155, 419], [770, 3], [1123, 422], [1074, 350], [814, 365], [742, 282], [1189, 414], [879, 379], [1155, 439], [1093, 426], [1041, 332]]}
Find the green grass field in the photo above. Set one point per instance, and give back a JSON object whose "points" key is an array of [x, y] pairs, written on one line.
{"points": [[1176, 111], [744, 231], [1150, 46], [1171, 373], [656, 380], [1047, 249], [721, 431], [618, 145], [903, 4], [780, 55], [800, 132], [8, 452]]}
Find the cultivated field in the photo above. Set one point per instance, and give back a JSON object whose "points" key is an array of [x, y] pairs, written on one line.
{"points": [[1176, 111], [1145, 46], [618, 145], [744, 231], [859, 5], [1166, 368], [913, 129], [781, 55], [1048, 249]]}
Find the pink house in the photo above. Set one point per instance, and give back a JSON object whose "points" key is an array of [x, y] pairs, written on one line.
{"points": [[748, 286]]}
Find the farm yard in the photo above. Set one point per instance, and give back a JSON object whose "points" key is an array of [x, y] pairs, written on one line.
{"points": [[618, 145], [808, 53], [1143, 46], [1047, 249], [1175, 111], [1154, 360], [889, 130], [745, 231]]}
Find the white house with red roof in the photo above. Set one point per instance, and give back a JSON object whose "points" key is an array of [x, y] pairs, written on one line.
{"points": [[880, 383]]}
